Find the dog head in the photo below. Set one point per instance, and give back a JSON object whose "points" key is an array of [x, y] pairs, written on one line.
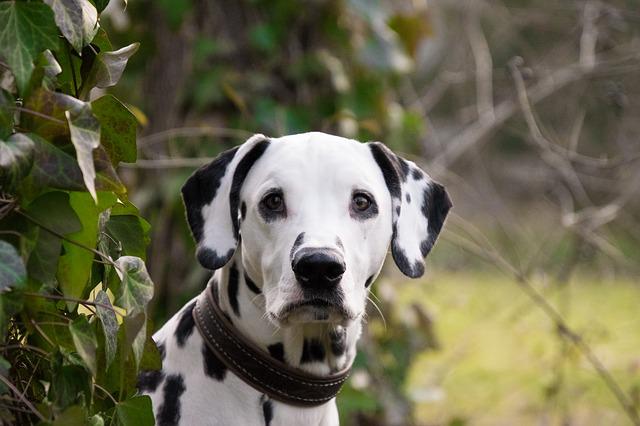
{"points": [[313, 216]]}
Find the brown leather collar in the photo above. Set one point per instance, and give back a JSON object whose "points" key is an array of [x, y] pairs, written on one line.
{"points": [[254, 366]]}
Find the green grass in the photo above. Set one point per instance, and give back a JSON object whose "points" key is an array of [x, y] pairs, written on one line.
{"points": [[500, 356]]}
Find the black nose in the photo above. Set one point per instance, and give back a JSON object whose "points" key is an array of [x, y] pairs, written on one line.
{"points": [[318, 267]]}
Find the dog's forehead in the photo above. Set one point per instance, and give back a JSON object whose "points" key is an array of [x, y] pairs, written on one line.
{"points": [[316, 158]]}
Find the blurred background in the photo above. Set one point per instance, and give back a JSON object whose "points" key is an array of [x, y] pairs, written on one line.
{"points": [[527, 110]]}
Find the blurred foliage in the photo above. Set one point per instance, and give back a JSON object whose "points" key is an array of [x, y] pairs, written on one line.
{"points": [[74, 287]]}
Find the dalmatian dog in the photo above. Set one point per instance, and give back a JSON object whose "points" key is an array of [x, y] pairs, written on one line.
{"points": [[312, 218]]}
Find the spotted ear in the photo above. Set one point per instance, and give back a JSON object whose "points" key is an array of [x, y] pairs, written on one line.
{"points": [[420, 206], [212, 196]]}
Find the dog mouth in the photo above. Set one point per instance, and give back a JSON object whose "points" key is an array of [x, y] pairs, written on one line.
{"points": [[314, 310]]}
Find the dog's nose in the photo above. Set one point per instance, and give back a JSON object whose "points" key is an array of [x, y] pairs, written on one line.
{"points": [[314, 267]]}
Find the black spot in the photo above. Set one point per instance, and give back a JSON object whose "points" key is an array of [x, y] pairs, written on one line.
{"points": [[408, 198], [369, 281], [210, 259], [277, 351], [267, 410], [162, 349], [243, 210], [338, 338], [297, 243], [417, 174], [213, 366], [252, 286], [399, 256], [202, 187], [404, 169], [435, 207], [185, 325], [169, 411], [242, 170], [390, 167], [148, 381], [312, 350], [398, 210], [232, 289]]}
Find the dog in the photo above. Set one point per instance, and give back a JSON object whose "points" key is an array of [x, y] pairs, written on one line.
{"points": [[296, 229]]}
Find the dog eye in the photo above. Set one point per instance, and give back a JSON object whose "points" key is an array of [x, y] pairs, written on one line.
{"points": [[361, 201], [273, 202]]}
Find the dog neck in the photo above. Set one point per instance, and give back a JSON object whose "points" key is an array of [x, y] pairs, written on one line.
{"points": [[318, 348]]}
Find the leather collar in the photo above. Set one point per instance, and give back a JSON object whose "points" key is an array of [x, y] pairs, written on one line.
{"points": [[257, 368]]}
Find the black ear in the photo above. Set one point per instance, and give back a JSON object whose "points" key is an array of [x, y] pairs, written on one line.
{"points": [[211, 199], [420, 206]]}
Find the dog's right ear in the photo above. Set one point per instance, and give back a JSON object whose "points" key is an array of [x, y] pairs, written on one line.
{"points": [[212, 196]]}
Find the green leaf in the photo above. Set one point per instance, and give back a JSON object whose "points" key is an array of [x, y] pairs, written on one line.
{"points": [[12, 271], [128, 230], [16, 159], [136, 289], [55, 168], [51, 66], [109, 326], [108, 67], [118, 129], [136, 334], [77, 20], [74, 266], [7, 105], [75, 415], [135, 411], [85, 135], [85, 341], [26, 29], [49, 120], [53, 211], [69, 384]]}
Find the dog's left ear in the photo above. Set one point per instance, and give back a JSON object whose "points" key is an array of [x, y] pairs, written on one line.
{"points": [[420, 206], [212, 201]]}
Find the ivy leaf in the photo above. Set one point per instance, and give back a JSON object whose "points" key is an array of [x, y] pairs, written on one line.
{"points": [[12, 270], [85, 341], [108, 66], [50, 122], [55, 168], [136, 334], [26, 29], [69, 384], [130, 233], [53, 211], [75, 415], [135, 411], [16, 159], [118, 129], [77, 20], [109, 326], [7, 103], [85, 136], [74, 267], [136, 289]]}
